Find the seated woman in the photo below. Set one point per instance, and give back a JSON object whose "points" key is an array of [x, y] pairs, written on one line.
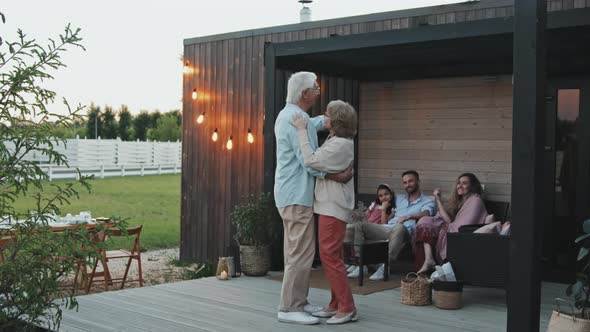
{"points": [[383, 208], [465, 207]]}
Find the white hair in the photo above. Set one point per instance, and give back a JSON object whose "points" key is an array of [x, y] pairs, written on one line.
{"points": [[298, 82]]}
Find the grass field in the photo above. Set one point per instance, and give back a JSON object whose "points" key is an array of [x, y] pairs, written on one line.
{"points": [[153, 201]]}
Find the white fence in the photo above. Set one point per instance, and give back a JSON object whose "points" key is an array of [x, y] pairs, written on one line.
{"points": [[111, 157]]}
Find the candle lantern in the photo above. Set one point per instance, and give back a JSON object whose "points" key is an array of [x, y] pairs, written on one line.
{"points": [[224, 271]]}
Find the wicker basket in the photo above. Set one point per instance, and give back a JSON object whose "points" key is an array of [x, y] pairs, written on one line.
{"points": [[255, 261], [448, 294], [416, 290]]}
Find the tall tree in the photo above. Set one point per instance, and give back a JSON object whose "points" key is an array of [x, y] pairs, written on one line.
{"points": [[109, 123], [94, 122], [178, 115], [125, 119], [167, 129], [141, 123], [154, 117]]}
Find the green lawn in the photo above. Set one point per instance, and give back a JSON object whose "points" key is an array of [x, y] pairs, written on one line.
{"points": [[153, 201]]}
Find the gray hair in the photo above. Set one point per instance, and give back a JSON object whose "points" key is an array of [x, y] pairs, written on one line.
{"points": [[298, 83], [342, 118]]}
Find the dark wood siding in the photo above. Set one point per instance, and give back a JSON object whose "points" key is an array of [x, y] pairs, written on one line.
{"points": [[229, 75]]}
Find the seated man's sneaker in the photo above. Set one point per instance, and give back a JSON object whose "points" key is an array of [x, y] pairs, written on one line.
{"points": [[379, 274], [297, 317], [356, 271], [350, 268], [311, 308]]}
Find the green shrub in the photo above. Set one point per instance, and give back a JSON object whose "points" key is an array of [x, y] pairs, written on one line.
{"points": [[256, 220]]}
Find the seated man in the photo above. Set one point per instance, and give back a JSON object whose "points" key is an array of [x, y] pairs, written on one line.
{"points": [[398, 230]]}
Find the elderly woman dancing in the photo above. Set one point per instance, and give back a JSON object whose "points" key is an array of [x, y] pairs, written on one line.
{"points": [[333, 201]]}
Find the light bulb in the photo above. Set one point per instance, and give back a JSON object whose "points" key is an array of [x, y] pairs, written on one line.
{"points": [[214, 136], [195, 95], [229, 144], [186, 69], [250, 136], [201, 118]]}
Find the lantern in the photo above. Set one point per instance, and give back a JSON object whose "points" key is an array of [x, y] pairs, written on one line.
{"points": [[224, 271]]}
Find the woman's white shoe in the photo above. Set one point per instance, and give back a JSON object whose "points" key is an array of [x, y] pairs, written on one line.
{"points": [[351, 317], [324, 313]]}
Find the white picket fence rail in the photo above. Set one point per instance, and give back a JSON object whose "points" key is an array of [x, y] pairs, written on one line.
{"points": [[111, 157], [101, 171]]}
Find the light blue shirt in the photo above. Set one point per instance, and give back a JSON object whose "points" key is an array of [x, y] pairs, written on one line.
{"points": [[294, 183], [404, 208]]}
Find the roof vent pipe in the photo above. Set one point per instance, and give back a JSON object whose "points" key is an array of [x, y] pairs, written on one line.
{"points": [[305, 12]]}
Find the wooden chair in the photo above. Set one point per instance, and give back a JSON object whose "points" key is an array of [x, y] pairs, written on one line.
{"points": [[4, 242], [133, 254]]}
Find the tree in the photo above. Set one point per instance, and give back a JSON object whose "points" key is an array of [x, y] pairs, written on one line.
{"points": [[178, 115], [124, 123], [94, 123], [154, 117], [141, 123], [109, 123], [29, 278], [166, 130]]}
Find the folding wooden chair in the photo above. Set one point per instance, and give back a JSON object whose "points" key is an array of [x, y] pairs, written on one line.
{"points": [[105, 257], [4, 242]]}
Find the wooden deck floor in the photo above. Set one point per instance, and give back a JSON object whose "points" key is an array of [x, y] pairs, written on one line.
{"points": [[250, 304]]}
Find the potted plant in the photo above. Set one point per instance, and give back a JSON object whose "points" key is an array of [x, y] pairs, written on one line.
{"points": [[579, 320], [257, 223]]}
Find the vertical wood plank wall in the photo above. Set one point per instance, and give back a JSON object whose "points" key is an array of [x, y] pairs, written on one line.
{"points": [[440, 128], [229, 76]]}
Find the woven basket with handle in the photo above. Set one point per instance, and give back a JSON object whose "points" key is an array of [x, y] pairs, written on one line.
{"points": [[416, 290]]}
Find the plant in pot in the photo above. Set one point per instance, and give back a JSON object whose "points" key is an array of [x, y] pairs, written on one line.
{"points": [[579, 320], [257, 223]]}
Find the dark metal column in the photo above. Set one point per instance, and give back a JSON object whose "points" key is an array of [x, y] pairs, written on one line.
{"points": [[269, 117], [527, 165]]}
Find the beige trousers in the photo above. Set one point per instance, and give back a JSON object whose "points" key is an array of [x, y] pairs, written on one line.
{"points": [[299, 251], [397, 235]]}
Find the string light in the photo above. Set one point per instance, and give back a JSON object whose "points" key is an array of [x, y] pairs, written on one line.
{"points": [[250, 136], [186, 69], [195, 95], [229, 145], [214, 136], [201, 118]]}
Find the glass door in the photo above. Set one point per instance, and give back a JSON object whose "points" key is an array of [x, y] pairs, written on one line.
{"points": [[566, 174]]}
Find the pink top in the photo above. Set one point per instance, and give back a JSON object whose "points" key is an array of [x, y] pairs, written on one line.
{"points": [[374, 214]]}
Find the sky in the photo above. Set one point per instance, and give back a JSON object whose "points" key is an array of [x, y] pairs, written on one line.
{"points": [[134, 48]]}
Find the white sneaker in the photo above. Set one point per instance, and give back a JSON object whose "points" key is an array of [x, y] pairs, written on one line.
{"points": [[350, 268], [379, 274], [356, 271], [311, 308], [297, 317]]}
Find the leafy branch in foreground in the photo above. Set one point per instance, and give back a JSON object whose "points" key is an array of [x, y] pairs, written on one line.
{"points": [[37, 261]]}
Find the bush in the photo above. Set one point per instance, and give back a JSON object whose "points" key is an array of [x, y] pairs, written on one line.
{"points": [[257, 220]]}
